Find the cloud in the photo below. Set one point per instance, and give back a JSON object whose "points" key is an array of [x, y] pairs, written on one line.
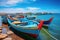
{"points": [[19, 10], [12, 10], [33, 8], [14, 2], [10, 2]]}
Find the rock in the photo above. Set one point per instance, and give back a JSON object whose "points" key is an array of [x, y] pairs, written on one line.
{"points": [[9, 32], [2, 36], [0, 31], [7, 39]]}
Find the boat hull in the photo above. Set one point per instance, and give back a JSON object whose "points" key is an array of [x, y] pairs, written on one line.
{"points": [[31, 32], [22, 34]]}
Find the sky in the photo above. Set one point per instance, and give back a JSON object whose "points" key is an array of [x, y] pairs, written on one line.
{"points": [[18, 6]]}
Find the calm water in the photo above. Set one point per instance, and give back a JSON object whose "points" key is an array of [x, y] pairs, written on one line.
{"points": [[54, 27], [56, 19]]}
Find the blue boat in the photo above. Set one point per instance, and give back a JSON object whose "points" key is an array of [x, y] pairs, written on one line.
{"points": [[46, 23], [34, 18], [29, 27], [4, 19]]}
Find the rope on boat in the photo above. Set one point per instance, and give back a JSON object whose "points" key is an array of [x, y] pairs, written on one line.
{"points": [[49, 34]]}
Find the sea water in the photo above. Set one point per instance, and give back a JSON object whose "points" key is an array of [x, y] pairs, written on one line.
{"points": [[54, 27]]}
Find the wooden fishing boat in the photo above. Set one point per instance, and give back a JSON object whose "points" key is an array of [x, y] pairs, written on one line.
{"points": [[31, 28], [4, 19], [46, 22]]}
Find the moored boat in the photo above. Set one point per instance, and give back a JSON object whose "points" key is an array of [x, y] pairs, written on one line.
{"points": [[34, 18], [31, 28], [4, 19], [46, 22]]}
